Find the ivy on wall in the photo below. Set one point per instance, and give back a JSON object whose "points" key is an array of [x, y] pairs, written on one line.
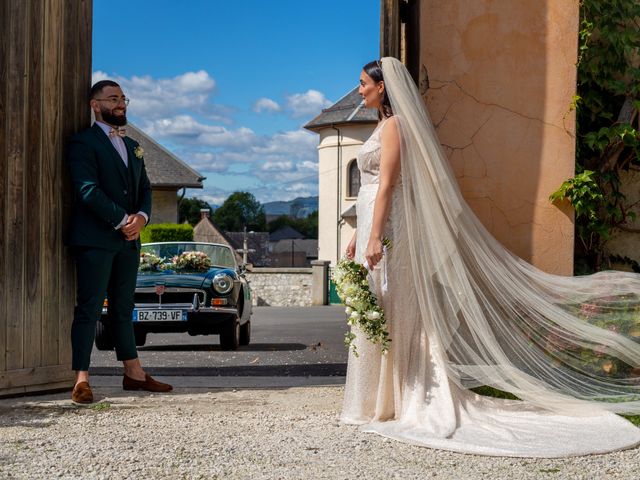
{"points": [[608, 139]]}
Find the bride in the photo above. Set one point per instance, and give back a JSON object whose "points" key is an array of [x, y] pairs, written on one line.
{"points": [[462, 311]]}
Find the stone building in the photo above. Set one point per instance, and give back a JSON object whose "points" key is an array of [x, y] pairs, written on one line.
{"points": [[207, 231]]}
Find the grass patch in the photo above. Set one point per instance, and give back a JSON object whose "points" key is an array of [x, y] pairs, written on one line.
{"points": [[635, 419], [494, 392], [98, 407]]}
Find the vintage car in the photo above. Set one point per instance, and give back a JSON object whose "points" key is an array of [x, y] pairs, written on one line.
{"points": [[190, 287]]}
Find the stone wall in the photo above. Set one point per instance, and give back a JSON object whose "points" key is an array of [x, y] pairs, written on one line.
{"points": [[281, 287]]}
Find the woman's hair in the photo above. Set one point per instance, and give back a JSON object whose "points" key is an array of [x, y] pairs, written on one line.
{"points": [[374, 70]]}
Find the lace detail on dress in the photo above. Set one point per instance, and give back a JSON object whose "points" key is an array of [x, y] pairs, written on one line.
{"points": [[369, 157]]}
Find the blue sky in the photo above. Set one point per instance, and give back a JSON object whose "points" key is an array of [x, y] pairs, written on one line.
{"points": [[227, 86]]}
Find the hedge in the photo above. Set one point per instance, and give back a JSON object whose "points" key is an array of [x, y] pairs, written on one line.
{"points": [[167, 232]]}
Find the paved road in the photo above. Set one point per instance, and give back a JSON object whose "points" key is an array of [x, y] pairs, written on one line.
{"points": [[286, 341]]}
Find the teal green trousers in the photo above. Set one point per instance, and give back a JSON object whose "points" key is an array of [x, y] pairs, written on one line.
{"points": [[103, 273]]}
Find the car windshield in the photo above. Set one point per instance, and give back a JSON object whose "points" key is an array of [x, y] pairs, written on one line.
{"points": [[220, 255]]}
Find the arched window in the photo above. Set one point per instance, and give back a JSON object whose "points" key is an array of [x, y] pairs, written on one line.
{"points": [[354, 178]]}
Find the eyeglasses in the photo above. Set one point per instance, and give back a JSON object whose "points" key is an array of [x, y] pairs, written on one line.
{"points": [[113, 100]]}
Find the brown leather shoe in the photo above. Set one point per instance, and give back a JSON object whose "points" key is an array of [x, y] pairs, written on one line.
{"points": [[82, 393], [148, 384]]}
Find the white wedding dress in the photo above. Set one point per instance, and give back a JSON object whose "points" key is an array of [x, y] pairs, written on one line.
{"points": [[408, 395]]}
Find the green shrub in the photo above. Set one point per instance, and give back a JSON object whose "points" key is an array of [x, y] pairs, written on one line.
{"points": [[167, 232]]}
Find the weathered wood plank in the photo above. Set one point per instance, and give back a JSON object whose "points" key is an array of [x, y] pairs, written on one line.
{"points": [[33, 251], [35, 376], [4, 182], [51, 156], [76, 82], [410, 17], [14, 222], [390, 28], [45, 72]]}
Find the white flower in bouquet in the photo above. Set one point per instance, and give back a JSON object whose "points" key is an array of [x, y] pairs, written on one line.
{"points": [[373, 315], [351, 279]]}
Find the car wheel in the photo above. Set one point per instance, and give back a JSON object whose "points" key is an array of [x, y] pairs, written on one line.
{"points": [[245, 333], [141, 337], [104, 340], [230, 336]]}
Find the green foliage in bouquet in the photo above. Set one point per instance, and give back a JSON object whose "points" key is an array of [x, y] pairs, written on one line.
{"points": [[362, 308]]}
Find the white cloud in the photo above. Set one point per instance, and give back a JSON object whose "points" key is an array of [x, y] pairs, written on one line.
{"points": [[308, 104], [184, 128], [158, 97], [266, 105], [276, 166], [180, 113], [205, 161]]}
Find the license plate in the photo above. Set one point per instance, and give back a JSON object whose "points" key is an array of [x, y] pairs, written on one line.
{"points": [[158, 315]]}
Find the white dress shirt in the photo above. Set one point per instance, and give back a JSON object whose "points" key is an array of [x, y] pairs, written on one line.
{"points": [[118, 143]]}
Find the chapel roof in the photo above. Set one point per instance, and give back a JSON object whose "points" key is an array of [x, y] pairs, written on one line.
{"points": [[349, 109]]}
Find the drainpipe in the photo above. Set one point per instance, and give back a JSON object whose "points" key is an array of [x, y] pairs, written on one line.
{"points": [[184, 190], [339, 199]]}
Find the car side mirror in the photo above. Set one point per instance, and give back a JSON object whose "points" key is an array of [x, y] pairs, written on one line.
{"points": [[246, 267]]}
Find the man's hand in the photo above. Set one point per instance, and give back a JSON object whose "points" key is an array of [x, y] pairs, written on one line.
{"points": [[132, 228]]}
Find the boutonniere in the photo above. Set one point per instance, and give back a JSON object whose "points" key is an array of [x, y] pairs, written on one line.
{"points": [[139, 152]]}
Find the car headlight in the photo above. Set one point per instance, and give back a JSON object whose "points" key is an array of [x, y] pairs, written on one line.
{"points": [[222, 283]]}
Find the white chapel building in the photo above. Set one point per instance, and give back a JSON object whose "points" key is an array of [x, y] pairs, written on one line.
{"points": [[343, 128]]}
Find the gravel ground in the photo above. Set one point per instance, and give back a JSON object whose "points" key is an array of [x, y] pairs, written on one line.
{"points": [[291, 433]]}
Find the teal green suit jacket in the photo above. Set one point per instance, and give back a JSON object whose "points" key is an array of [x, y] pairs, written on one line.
{"points": [[101, 187]]}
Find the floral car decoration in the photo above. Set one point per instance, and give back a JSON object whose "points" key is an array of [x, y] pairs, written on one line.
{"points": [[194, 261], [149, 262]]}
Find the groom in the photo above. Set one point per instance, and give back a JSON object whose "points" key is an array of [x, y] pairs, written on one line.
{"points": [[112, 205]]}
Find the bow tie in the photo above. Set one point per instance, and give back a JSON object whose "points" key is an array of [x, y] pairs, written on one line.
{"points": [[120, 131]]}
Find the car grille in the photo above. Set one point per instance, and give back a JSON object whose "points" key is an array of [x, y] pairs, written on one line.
{"points": [[170, 295]]}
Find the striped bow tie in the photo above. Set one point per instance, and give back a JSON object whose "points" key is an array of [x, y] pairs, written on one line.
{"points": [[120, 131]]}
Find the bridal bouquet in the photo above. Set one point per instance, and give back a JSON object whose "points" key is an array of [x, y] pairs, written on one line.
{"points": [[362, 309]]}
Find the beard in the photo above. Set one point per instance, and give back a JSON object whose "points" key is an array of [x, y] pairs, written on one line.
{"points": [[115, 120]]}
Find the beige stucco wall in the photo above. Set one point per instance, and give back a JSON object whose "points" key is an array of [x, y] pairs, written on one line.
{"points": [[330, 232], [502, 76], [164, 206]]}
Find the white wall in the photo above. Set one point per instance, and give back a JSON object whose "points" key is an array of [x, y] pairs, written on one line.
{"points": [[333, 238]]}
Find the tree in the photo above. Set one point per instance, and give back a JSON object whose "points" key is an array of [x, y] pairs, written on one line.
{"points": [[239, 210], [307, 226], [190, 210]]}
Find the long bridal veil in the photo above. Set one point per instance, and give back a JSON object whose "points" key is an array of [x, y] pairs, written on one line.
{"points": [[556, 342]]}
